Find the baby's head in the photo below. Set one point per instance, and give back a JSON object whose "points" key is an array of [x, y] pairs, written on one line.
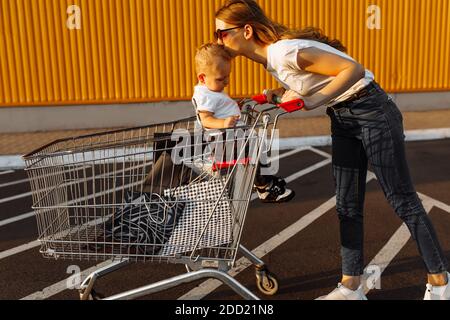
{"points": [[213, 65]]}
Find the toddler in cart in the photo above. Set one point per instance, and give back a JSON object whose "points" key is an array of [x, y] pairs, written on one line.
{"points": [[216, 110]]}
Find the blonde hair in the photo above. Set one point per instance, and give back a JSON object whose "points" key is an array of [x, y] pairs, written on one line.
{"points": [[266, 31], [208, 54]]}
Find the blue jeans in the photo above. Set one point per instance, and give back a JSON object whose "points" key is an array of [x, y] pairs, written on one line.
{"points": [[370, 130]]}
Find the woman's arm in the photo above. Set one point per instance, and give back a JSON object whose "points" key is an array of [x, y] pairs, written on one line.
{"points": [[347, 73], [210, 122]]}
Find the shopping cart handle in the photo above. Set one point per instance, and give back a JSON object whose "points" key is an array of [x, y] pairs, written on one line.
{"points": [[260, 99], [229, 164], [290, 106]]}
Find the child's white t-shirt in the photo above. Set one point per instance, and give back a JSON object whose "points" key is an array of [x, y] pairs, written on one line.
{"points": [[282, 64], [218, 103]]}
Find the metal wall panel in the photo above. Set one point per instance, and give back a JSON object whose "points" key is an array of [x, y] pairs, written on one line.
{"points": [[143, 50]]}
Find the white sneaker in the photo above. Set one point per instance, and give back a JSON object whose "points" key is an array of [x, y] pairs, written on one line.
{"points": [[438, 292], [343, 293]]}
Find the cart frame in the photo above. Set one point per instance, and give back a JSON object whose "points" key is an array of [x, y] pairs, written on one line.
{"points": [[45, 166]]}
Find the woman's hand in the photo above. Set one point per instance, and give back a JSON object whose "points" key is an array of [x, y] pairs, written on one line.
{"points": [[290, 95], [311, 102], [270, 94]]}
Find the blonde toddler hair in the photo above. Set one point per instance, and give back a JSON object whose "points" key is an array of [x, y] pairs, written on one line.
{"points": [[208, 54]]}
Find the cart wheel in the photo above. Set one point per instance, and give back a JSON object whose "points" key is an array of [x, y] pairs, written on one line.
{"points": [[267, 283]]}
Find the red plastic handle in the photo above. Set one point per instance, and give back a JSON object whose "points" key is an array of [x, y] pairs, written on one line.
{"points": [[290, 106], [228, 164], [260, 99]]}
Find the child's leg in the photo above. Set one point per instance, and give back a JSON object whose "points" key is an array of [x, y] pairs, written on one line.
{"points": [[260, 180]]}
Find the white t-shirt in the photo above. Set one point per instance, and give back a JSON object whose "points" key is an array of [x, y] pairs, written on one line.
{"points": [[282, 64], [218, 103]]}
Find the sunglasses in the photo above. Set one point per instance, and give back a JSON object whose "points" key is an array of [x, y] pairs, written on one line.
{"points": [[219, 34]]}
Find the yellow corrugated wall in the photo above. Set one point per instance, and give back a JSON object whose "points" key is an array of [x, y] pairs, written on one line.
{"points": [[142, 50]]}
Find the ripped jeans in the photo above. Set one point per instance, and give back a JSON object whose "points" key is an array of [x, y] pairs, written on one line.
{"points": [[370, 130]]}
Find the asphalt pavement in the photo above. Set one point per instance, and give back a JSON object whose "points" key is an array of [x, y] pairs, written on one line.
{"points": [[305, 258]]}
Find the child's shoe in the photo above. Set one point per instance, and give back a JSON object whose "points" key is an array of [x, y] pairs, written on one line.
{"points": [[275, 191]]}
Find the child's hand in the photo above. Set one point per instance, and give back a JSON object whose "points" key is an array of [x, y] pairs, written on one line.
{"points": [[230, 122]]}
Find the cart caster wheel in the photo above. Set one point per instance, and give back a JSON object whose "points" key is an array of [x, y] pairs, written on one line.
{"points": [[267, 283]]}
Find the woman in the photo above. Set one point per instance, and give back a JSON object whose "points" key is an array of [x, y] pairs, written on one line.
{"points": [[366, 127]]}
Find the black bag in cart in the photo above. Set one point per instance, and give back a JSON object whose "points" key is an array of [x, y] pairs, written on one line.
{"points": [[145, 223]]}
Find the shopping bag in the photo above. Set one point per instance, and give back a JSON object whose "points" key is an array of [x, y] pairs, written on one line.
{"points": [[145, 223]]}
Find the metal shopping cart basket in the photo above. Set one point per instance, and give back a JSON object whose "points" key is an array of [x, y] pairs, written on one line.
{"points": [[158, 193]]}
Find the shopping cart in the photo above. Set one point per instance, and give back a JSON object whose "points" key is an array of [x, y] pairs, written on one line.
{"points": [[158, 193]]}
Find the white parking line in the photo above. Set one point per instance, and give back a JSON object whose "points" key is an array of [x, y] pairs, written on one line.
{"points": [[435, 202], [7, 184], [289, 153], [19, 249], [321, 153], [17, 218], [6, 172], [390, 250], [301, 173], [18, 196], [62, 285], [308, 170]]}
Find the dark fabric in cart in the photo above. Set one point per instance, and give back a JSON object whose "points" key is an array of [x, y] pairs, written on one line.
{"points": [[145, 223]]}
